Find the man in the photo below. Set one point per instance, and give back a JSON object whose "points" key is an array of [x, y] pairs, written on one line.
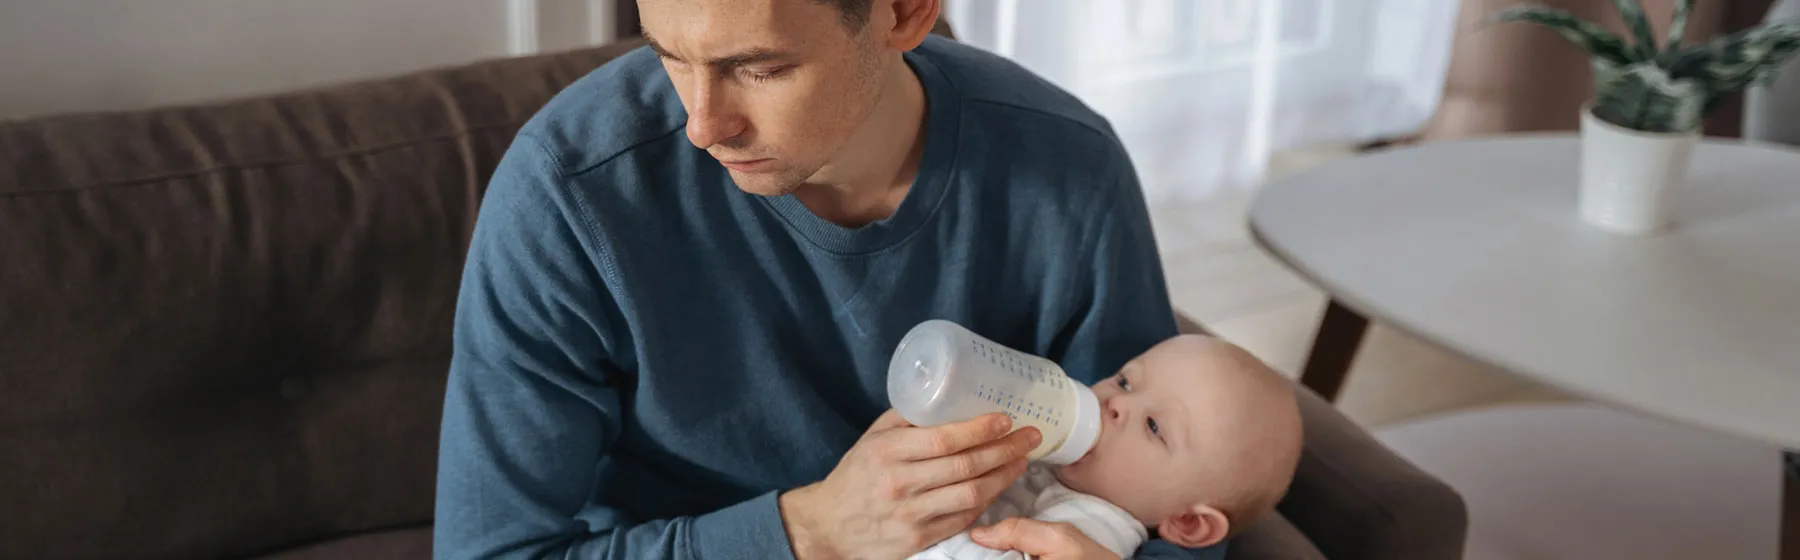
{"points": [[692, 266]]}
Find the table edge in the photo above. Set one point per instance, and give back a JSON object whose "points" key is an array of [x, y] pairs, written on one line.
{"points": [[1354, 303]]}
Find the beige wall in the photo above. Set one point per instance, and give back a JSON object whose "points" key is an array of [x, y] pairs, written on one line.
{"points": [[60, 56]]}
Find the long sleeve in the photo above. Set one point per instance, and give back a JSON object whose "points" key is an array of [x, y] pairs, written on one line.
{"points": [[533, 400]]}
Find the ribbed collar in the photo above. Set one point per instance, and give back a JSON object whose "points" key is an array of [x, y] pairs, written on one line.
{"points": [[943, 107]]}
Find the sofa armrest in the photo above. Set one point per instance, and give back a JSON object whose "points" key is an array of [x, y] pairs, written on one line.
{"points": [[1272, 538], [1354, 498]]}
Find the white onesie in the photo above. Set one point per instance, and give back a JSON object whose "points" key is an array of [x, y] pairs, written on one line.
{"points": [[1038, 495]]}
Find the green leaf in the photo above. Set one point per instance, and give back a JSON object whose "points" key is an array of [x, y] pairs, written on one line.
{"points": [[1672, 94], [1596, 40], [1678, 25], [1729, 63], [1642, 96], [1632, 11]]}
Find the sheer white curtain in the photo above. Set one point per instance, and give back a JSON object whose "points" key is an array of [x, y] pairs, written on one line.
{"points": [[1204, 91]]}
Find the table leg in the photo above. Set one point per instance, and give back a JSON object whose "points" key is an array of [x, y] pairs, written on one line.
{"points": [[1333, 350], [1790, 507]]}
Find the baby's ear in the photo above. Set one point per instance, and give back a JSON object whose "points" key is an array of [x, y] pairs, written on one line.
{"points": [[1200, 527]]}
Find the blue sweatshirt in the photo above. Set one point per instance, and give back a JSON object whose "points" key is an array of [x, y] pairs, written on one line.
{"points": [[645, 356]]}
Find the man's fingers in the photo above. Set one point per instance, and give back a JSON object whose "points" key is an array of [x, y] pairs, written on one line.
{"points": [[1029, 536], [972, 495], [974, 462], [887, 421], [944, 526], [949, 439]]}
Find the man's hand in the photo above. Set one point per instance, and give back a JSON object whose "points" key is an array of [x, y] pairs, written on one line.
{"points": [[1040, 539], [903, 488]]}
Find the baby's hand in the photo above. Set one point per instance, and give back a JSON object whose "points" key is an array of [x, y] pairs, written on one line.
{"points": [[1041, 539]]}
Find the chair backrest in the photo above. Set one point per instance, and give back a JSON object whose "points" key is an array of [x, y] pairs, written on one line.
{"points": [[1519, 77], [1772, 111]]}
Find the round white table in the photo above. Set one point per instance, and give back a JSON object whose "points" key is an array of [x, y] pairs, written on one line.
{"points": [[1476, 245]]}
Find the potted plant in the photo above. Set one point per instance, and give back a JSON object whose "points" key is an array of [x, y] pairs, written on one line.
{"points": [[1644, 119]]}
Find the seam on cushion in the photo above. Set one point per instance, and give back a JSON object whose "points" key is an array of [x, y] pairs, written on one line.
{"points": [[459, 121], [313, 372], [378, 530], [355, 152]]}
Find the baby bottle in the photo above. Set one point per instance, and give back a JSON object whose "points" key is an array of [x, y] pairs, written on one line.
{"points": [[943, 373]]}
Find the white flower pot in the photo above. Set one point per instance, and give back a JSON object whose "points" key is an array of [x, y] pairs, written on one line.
{"points": [[1628, 177]]}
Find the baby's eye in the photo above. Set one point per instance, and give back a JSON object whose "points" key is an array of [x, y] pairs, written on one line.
{"points": [[1154, 429], [1123, 384]]}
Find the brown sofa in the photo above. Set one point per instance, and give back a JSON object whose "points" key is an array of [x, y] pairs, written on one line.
{"points": [[225, 329]]}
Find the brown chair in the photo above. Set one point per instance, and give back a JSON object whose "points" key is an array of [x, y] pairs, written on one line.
{"points": [[1518, 77], [225, 330]]}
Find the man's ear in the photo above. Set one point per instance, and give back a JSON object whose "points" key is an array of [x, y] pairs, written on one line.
{"points": [[913, 20], [1200, 527]]}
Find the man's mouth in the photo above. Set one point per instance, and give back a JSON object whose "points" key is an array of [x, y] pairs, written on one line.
{"points": [[747, 164]]}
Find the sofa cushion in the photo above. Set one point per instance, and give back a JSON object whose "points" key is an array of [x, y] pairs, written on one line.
{"points": [[227, 326], [1272, 538], [397, 544]]}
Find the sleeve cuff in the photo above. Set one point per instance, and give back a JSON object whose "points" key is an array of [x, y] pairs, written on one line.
{"points": [[1159, 549], [749, 529]]}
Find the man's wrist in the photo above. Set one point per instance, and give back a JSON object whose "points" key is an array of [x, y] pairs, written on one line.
{"points": [[805, 542]]}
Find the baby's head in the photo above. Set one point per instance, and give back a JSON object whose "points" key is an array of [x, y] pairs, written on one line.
{"points": [[1198, 439]]}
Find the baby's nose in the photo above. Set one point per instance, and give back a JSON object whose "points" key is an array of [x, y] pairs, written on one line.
{"points": [[1114, 413]]}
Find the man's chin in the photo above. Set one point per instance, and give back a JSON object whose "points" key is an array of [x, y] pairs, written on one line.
{"points": [[762, 184]]}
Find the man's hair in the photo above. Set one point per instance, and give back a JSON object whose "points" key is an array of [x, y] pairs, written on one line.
{"points": [[853, 13]]}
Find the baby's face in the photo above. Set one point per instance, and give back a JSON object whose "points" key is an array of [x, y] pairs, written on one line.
{"points": [[1166, 417], [1150, 437]]}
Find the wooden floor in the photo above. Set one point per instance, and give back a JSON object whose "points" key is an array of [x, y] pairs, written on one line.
{"points": [[1220, 278]]}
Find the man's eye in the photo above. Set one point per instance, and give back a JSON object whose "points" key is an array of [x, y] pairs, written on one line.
{"points": [[1153, 427], [765, 75]]}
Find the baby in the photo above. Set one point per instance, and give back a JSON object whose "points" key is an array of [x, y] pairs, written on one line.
{"points": [[1198, 439]]}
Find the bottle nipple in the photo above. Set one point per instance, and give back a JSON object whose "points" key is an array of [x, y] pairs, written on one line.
{"points": [[1084, 430]]}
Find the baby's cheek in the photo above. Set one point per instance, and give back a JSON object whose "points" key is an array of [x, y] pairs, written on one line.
{"points": [[1105, 388], [1129, 456]]}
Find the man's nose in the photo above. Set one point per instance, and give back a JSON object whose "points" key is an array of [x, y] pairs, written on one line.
{"points": [[712, 118]]}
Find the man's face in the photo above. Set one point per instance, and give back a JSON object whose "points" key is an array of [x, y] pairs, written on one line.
{"points": [[1152, 437], [773, 88]]}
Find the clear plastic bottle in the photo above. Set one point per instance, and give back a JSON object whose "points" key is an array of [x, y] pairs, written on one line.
{"points": [[943, 373]]}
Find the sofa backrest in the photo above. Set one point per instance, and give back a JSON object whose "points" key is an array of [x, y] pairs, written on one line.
{"points": [[224, 329]]}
